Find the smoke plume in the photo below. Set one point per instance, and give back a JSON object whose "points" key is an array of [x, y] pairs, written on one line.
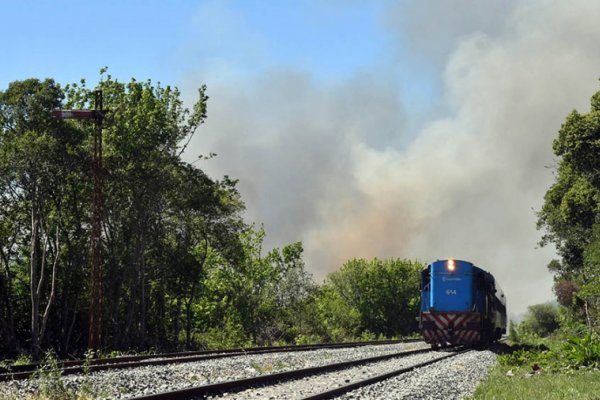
{"points": [[336, 166]]}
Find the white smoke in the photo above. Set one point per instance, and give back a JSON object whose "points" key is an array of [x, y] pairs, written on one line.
{"points": [[329, 164]]}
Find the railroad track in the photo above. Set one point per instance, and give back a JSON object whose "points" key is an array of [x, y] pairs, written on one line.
{"points": [[18, 372], [235, 386]]}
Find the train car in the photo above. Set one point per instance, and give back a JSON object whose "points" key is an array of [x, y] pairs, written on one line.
{"points": [[461, 304]]}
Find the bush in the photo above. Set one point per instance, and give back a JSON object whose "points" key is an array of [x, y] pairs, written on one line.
{"points": [[576, 353], [513, 335], [520, 357], [49, 379], [542, 320], [230, 335], [583, 352], [308, 339]]}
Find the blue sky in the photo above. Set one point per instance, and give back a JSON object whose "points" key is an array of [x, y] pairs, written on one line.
{"points": [[71, 39], [165, 41]]}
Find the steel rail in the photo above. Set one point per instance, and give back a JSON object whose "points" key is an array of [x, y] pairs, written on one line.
{"points": [[241, 384], [79, 366], [378, 378]]}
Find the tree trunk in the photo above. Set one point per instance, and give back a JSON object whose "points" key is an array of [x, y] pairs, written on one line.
{"points": [[190, 300], [53, 285], [188, 319], [176, 318], [142, 293], [8, 322], [70, 330], [35, 337], [587, 315], [116, 320], [38, 264], [129, 323]]}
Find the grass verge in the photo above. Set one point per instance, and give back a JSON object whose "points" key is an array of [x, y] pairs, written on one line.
{"points": [[550, 369], [504, 382]]}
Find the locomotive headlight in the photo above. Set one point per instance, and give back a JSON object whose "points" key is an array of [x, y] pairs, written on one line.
{"points": [[451, 265]]}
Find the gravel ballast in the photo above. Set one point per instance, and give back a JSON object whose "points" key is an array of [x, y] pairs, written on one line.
{"points": [[311, 385], [454, 378], [123, 384]]}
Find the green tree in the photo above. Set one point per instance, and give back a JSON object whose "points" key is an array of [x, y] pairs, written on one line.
{"points": [[163, 216], [590, 280], [339, 319], [258, 299], [294, 293], [541, 320], [383, 293], [572, 208], [38, 157], [164, 219]]}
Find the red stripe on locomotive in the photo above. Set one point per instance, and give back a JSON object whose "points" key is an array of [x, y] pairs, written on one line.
{"points": [[451, 328]]}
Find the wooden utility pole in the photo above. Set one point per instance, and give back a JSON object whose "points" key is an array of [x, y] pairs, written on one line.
{"points": [[97, 114]]}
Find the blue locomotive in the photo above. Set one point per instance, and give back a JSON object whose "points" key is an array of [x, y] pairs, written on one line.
{"points": [[460, 304]]}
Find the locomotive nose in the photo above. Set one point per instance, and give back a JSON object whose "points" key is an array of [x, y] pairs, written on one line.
{"points": [[450, 329]]}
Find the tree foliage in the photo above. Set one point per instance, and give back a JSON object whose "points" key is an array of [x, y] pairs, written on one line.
{"points": [[378, 296], [181, 268], [541, 320], [38, 159], [570, 215], [264, 298], [162, 216]]}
